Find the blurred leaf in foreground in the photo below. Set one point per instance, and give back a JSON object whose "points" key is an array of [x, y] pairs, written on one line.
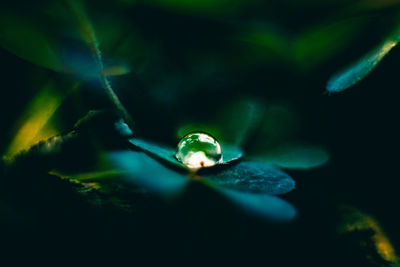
{"points": [[146, 172]]}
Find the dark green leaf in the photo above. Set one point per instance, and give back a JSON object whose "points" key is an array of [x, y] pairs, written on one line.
{"points": [[27, 40], [254, 177], [266, 206]]}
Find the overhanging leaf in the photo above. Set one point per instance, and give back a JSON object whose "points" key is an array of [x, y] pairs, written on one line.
{"points": [[254, 177], [27, 40], [266, 206]]}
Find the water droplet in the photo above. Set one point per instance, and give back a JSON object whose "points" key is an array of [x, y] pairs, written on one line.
{"points": [[198, 150]]}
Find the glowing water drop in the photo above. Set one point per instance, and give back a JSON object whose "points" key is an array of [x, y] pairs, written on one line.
{"points": [[198, 150]]}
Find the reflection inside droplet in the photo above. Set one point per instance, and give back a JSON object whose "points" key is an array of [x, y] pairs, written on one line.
{"points": [[198, 150]]}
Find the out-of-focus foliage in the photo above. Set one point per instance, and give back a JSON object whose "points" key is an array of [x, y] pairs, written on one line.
{"points": [[356, 221], [234, 123], [47, 46], [356, 72], [35, 125], [26, 39]]}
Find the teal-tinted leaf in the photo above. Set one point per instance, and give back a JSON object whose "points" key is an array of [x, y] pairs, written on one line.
{"points": [[229, 153], [296, 156], [146, 172], [357, 71], [254, 177], [268, 207]]}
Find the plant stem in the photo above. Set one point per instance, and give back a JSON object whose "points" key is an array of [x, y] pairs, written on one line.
{"points": [[89, 36]]}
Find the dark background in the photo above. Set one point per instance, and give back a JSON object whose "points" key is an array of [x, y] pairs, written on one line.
{"points": [[357, 126]]}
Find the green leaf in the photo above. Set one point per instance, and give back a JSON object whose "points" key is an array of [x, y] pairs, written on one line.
{"points": [[360, 69], [296, 156], [27, 40], [268, 207], [32, 41], [254, 177], [146, 172]]}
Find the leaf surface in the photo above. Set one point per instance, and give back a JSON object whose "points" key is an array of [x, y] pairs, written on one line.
{"points": [[253, 177]]}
